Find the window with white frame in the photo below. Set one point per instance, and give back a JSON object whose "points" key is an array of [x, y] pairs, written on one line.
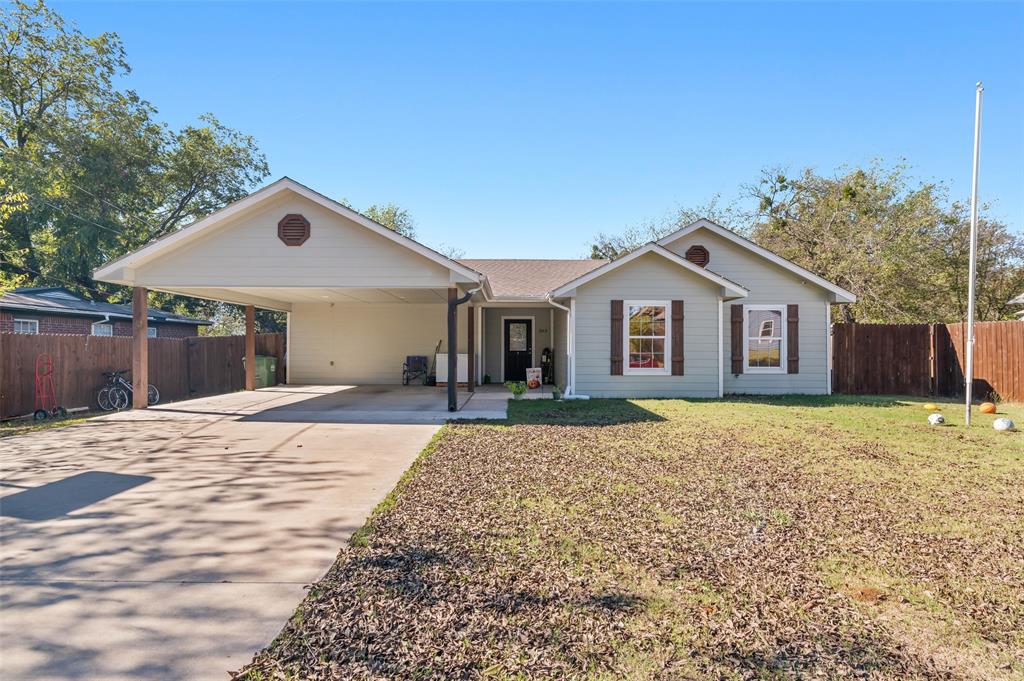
{"points": [[766, 338], [102, 329], [151, 331], [648, 337], [26, 326]]}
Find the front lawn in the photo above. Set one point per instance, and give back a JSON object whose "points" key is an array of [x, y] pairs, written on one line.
{"points": [[746, 538]]}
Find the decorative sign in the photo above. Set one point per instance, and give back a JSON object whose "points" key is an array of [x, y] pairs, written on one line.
{"points": [[533, 378]]}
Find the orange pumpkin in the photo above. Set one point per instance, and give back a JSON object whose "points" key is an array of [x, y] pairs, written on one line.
{"points": [[987, 408]]}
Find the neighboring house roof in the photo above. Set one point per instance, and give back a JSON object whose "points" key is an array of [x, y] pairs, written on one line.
{"points": [[211, 221], [841, 294], [1019, 300], [522, 278], [60, 301], [731, 288]]}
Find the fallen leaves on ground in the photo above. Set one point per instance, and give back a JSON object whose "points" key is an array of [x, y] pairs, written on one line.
{"points": [[661, 548]]}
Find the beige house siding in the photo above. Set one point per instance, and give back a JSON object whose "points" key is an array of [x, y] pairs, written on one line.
{"points": [[366, 343], [247, 252], [649, 277], [492, 335], [768, 284]]}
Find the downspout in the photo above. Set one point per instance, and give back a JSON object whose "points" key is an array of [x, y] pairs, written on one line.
{"points": [[453, 347], [570, 342]]}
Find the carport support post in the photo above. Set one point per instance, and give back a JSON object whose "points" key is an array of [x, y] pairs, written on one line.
{"points": [[140, 348], [453, 346], [250, 347]]}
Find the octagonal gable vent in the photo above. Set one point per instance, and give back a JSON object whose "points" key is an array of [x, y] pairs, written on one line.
{"points": [[293, 229], [698, 255]]}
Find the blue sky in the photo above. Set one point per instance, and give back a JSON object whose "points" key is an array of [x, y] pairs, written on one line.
{"points": [[521, 130]]}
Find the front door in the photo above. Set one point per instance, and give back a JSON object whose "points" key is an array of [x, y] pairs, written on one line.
{"points": [[518, 348]]}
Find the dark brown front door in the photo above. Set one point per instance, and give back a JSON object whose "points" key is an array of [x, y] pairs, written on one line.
{"points": [[518, 348]]}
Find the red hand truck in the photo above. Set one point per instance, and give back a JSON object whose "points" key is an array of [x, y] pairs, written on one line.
{"points": [[46, 395]]}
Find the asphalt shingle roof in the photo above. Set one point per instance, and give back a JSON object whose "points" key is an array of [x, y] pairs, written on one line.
{"points": [[56, 300], [524, 278]]}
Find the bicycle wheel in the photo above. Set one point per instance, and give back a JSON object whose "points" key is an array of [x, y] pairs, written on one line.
{"points": [[152, 395], [103, 398], [119, 398]]}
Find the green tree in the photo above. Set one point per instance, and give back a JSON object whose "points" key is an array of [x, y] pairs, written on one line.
{"points": [[100, 174], [900, 245], [612, 246], [393, 217]]}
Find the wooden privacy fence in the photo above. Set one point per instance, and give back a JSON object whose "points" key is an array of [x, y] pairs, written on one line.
{"points": [[928, 359], [179, 368]]}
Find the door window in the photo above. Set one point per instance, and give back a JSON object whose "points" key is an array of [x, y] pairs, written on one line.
{"points": [[517, 337]]}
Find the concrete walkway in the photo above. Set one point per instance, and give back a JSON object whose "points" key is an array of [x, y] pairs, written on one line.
{"points": [[173, 543]]}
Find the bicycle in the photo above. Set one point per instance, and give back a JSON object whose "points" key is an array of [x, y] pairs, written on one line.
{"points": [[117, 392]]}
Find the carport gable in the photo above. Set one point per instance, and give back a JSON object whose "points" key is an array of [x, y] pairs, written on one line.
{"points": [[286, 235]]}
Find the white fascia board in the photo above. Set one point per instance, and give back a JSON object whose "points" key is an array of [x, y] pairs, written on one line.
{"points": [[176, 239], [841, 294], [224, 295], [730, 289]]}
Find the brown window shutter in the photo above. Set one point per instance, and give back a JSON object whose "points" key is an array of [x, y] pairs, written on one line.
{"points": [[677, 338], [736, 338], [793, 339], [616, 338]]}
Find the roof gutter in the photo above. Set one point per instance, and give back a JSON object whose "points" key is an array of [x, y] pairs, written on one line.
{"points": [[570, 343], [453, 348], [42, 309]]}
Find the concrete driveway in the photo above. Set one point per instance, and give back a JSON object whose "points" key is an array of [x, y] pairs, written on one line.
{"points": [[173, 543]]}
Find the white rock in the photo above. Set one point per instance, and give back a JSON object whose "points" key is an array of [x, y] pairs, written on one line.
{"points": [[1003, 423]]}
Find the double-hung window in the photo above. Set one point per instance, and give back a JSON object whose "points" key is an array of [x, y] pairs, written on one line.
{"points": [[102, 329], [766, 338], [26, 326], [648, 337]]}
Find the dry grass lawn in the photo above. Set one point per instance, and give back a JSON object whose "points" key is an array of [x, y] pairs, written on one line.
{"points": [[787, 538]]}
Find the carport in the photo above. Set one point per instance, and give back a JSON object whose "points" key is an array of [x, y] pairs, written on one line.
{"points": [[359, 297]]}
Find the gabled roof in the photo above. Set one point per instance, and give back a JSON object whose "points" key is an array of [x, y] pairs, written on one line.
{"points": [[731, 288], [841, 294], [186, 234], [61, 301], [524, 278]]}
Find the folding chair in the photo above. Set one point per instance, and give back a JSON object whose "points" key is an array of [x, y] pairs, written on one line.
{"points": [[414, 368]]}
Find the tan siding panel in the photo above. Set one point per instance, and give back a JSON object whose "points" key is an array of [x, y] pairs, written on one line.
{"points": [[338, 253], [366, 343]]}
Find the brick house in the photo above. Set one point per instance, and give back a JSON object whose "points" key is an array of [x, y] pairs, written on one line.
{"points": [[58, 310]]}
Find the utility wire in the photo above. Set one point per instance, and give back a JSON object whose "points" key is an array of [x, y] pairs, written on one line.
{"points": [[127, 214], [33, 197], [53, 278]]}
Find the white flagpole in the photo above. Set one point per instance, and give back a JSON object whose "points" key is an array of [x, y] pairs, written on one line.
{"points": [[969, 372]]}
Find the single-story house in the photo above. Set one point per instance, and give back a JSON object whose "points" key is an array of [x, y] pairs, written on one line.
{"points": [[57, 310], [699, 313]]}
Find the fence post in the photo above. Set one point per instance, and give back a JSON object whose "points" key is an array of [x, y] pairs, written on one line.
{"points": [[933, 367], [250, 347]]}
